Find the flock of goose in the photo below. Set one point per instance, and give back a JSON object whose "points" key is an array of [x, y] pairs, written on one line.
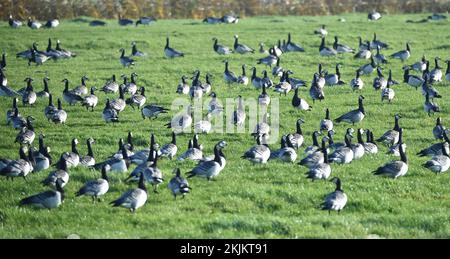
{"points": [[318, 157]]}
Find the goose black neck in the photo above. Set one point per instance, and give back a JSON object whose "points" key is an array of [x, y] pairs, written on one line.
{"points": [[59, 105], [348, 140], [142, 183], [46, 85], [403, 156], [41, 144], [299, 128], [167, 43], [217, 155], [322, 44], [360, 138], [314, 138], [338, 185], [448, 67], [104, 174], [396, 125], [327, 114], [325, 155], [74, 147], [89, 146], [174, 138], [361, 106]]}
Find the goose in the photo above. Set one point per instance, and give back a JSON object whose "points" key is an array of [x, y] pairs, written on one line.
{"points": [[241, 48], [395, 149], [64, 53], [125, 60], [368, 68], [72, 158], [192, 153], [258, 154], [357, 83], [109, 113], [220, 49], [11, 114], [375, 43], [435, 149], [315, 146], [3, 61], [341, 48], [145, 21], [183, 87], [387, 94], [153, 174], [170, 150], [135, 52], [133, 199], [45, 92], [439, 163], [412, 80], [214, 105], [129, 147], [196, 89], [380, 58], [297, 138], [119, 104], [59, 116], [256, 81], [321, 32], [314, 155], [364, 53], [316, 92], [270, 60], [295, 82], [358, 148], [34, 24], [137, 99], [51, 23], [131, 87], [204, 126], [262, 128], [391, 82], [6, 91], [118, 165], [26, 135], [143, 155], [50, 109], [29, 97], [429, 106], [3, 80], [37, 58], [374, 16], [286, 153], [420, 66], [208, 169], [170, 52], [277, 70], [111, 86], [266, 81], [124, 22], [428, 89], [89, 159], [300, 103], [262, 50], [207, 86], [447, 73], [292, 47], [178, 185], [228, 75], [60, 173], [14, 23], [344, 154], [212, 20], [91, 100], [181, 122], [239, 115], [439, 129], [152, 111], [322, 170], [391, 137], [96, 23], [149, 160], [230, 18], [96, 188], [46, 200], [220, 145], [394, 169], [436, 73], [370, 146], [326, 51], [69, 96], [334, 79], [26, 54], [18, 168], [242, 79], [284, 86], [326, 124], [278, 49], [81, 89], [264, 98], [53, 53], [336, 200], [437, 17], [403, 54], [380, 82]]}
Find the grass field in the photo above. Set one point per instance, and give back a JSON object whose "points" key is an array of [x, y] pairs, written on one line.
{"points": [[246, 201]]}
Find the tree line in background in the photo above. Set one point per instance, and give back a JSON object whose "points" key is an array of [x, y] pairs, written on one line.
{"points": [[197, 9]]}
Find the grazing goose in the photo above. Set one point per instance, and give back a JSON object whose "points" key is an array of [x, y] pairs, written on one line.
{"points": [[220, 49], [50, 109], [380, 82], [69, 96], [364, 53], [377, 43], [286, 153], [125, 60], [436, 73], [45, 92], [131, 87], [241, 48], [447, 73], [96, 188], [300, 103], [26, 135], [119, 104], [18, 168], [228, 75], [183, 87], [394, 169], [152, 111], [316, 91], [89, 159], [326, 51], [322, 170], [321, 32], [258, 154], [170, 52], [59, 116], [315, 146], [439, 163], [341, 48], [370, 146], [64, 53], [91, 100], [51, 24], [239, 115], [284, 86], [34, 24], [29, 97], [297, 138], [170, 150], [420, 66], [344, 154], [111, 86], [48, 199], [429, 106], [403, 54], [336, 200], [334, 79], [14, 23], [181, 122], [264, 98], [357, 83], [242, 79], [208, 169], [292, 47], [387, 94], [81, 89], [145, 21], [192, 153], [428, 89], [326, 124], [395, 149], [435, 149], [178, 185], [374, 16], [137, 99], [269, 60], [358, 148], [380, 58], [412, 80], [314, 154], [60, 173], [135, 52], [367, 69], [439, 129], [391, 137], [133, 199]]}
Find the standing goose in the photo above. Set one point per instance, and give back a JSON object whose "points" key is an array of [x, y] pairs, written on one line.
{"points": [[183, 86], [133, 199], [277, 70], [391, 137], [214, 106], [228, 75], [368, 68], [118, 165], [178, 185], [269, 60], [196, 90], [321, 32], [377, 43], [364, 53], [258, 154], [45, 92], [358, 148], [316, 91], [170, 150], [69, 96], [395, 149], [300, 103], [264, 98], [357, 83], [208, 169], [111, 86], [297, 138], [60, 173], [26, 135], [412, 80], [316, 156], [379, 82], [326, 124], [34, 24], [336, 200], [326, 51], [48, 199], [18, 168], [239, 115], [242, 79], [322, 170], [148, 162], [181, 122], [125, 60], [394, 169], [207, 86], [370, 146], [14, 23], [315, 146], [403, 54], [436, 73], [119, 104], [109, 113], [262, 128], [81, 89], [50, 109], [439, 163], [89, 159], [447, 73], [192, 153], [137, 99], [73, 158], [292, 47], [60, 115], [152, 111], [278, 49], [380, 58], [91, 100], [42, 157], [153, 174], [256, 81], [387, 94], [284, 86], [439, 129], [341, 48], [435, 149], [131, 87], [220, 49], [334, 79], [354, 116], [241, 48], [286, 153], [429, 106], [344, 154], [96, 188], [170, 52], [135, 52], [29, 97]]}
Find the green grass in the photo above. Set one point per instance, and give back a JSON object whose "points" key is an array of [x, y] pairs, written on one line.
{"points": [[246, 201]]}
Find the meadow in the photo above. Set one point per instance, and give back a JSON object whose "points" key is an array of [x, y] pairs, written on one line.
{"points": [[245, 201]]}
